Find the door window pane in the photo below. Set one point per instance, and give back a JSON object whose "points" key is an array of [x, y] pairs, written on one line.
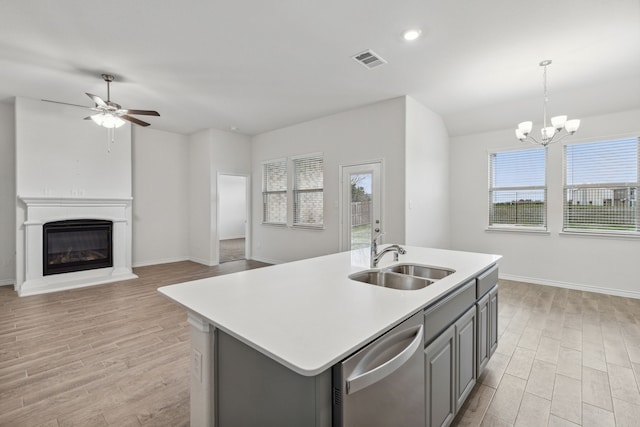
{"points": [[361, 210]]}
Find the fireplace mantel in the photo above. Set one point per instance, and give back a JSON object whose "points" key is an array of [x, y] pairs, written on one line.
{"points": [[41, 210]]}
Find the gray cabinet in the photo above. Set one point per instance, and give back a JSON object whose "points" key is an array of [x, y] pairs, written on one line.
{"points": [[465, 350], [493, 320], [440, 360], [461, 333], [254, 390], [484, 344]]}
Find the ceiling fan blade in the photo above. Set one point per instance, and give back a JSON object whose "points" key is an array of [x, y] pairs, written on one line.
{"points": [[142, 112], [134, 120], [97, 100], [65, 103]]}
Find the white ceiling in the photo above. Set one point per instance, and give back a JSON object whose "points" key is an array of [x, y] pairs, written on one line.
{"points": [[259, 65]]}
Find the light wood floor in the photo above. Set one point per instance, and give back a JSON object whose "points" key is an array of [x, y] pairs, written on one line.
{"points": [[565, 358], [232, 250], [118, 354], [109, 355]]}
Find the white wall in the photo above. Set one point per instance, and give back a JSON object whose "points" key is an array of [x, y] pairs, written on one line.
{"points": [[427, 178], [369, 133], [232, 209], [160, 196], [596, 263], [7, 195], [211, 152], [200, 201], [60, 155]]}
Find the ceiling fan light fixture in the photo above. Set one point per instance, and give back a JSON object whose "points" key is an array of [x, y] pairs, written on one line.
{"points": [[107, 120]]}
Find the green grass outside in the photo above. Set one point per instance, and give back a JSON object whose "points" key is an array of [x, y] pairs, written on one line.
{"points": [[578, 216], [361, 236]]}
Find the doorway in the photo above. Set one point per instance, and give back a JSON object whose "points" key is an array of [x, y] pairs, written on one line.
{"points": [[232, 217], [361, 205]]}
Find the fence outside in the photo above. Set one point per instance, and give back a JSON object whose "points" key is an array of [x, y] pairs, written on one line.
{"points": [[360, 213]]}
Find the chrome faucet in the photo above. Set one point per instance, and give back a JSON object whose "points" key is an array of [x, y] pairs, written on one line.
{"points": [[376, 257]]}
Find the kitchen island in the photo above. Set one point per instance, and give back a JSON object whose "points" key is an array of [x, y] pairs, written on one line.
{"points": [[304, 317]]}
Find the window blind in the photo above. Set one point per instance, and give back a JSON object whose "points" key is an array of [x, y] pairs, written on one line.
{"points": [[274, 192], [601, 186], [308, 191], [517, 188]]}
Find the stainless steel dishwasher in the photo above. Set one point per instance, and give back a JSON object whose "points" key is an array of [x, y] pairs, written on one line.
{"points": [[383, 383]]}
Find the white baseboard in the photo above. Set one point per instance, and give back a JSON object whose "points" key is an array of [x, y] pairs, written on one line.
{"points": [[159, 261], [5, 282], [267, 260], [568, 285], [202, 261]]}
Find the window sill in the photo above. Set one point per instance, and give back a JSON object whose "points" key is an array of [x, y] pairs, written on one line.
{"points": [[309, 227], [524, 230], [273, 224], [600, 235]]}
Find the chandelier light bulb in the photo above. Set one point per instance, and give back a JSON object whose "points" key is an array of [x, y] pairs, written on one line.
{"points": [[548, 132], [558, 122], [572, 126], [525, 128]]}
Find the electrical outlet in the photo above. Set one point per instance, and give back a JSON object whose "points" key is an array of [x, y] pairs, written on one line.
{"points": [[196, 364]]}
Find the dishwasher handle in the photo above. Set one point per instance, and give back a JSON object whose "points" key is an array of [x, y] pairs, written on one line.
{"points": [[360, 381]]}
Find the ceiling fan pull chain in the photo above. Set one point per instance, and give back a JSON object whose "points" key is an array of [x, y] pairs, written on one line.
{"points": [[110, 135]]}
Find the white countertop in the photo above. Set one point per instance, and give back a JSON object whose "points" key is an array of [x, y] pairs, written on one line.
{"points": [[307, 314]]}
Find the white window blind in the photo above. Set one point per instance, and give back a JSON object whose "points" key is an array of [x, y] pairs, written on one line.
{"points": [[601, 186], [517, 188], [308, 191], [274, 192]]}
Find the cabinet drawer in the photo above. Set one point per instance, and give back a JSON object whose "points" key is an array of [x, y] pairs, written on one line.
{"points": [[486, 281], [447, 311]]}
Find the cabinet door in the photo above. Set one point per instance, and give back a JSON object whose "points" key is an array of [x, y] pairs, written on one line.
{"points": [[482, 311], [440, 379], [493, 320], [465, 348]]}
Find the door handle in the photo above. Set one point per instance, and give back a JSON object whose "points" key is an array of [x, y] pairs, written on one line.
{"points": [[360, 381]]}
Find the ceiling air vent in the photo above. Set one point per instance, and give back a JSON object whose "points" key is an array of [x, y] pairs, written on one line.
{"points": [[369, 59]]}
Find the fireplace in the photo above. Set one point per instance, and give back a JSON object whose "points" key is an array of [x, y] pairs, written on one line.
{"points": [[76, 245]]}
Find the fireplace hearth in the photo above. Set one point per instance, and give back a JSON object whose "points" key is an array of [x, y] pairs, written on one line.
{"points": [[77, 245]]}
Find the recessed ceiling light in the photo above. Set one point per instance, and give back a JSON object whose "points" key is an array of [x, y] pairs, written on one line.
{"points": [[411, 35]]}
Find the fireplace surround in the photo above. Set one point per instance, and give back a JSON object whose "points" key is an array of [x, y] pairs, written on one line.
{"points": [[36, 212]]}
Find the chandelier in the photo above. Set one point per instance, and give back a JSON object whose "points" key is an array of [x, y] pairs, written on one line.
{"points": [[548, 134]]}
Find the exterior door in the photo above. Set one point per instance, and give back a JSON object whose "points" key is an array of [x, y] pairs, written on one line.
{"points": [[361, 202]]}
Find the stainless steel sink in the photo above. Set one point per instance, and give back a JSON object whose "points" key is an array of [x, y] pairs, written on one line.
{"points": [[432, 273], [392, 280], [406, 277]]}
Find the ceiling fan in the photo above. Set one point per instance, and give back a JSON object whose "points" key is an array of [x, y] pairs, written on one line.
{"points": [[109, 114]]}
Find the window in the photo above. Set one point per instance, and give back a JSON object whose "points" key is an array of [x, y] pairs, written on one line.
{"points": [[601, 187], [517, 188], [274, 192], [308, 191]]}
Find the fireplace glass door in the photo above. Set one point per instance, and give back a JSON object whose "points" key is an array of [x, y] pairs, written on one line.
{"points": [[77, 245]]}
